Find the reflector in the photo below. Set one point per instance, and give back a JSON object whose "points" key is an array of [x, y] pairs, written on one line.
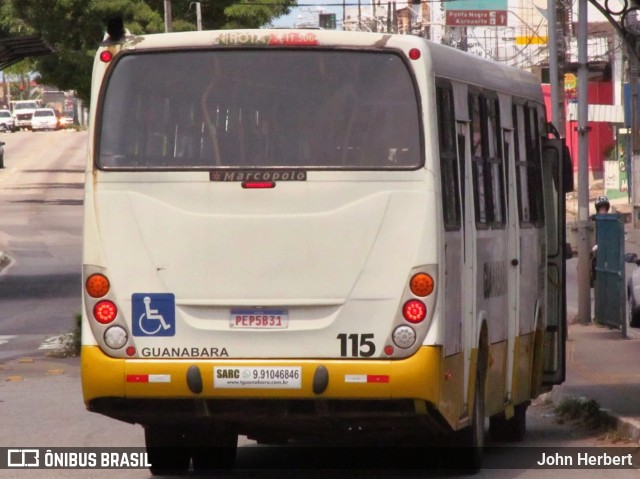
{"points": [[414, 54], [106, 56]]}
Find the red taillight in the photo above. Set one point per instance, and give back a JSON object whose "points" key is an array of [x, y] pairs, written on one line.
{"points": [[106, 56], [414, 311], [105, 312], [131, 351], [259, 184], [414, 54]]}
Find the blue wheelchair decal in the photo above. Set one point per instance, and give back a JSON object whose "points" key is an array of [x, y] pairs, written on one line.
{"points": [[153, 314]]}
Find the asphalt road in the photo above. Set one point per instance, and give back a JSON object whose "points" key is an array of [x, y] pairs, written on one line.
{"points": [[40, 229]]}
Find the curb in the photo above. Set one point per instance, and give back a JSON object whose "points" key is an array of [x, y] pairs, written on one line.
{"points": [[627, 427]]}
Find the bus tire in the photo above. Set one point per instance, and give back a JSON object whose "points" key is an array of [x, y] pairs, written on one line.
{"points": [[214, 449], [471, 439], [167, 450], [514, 429]]}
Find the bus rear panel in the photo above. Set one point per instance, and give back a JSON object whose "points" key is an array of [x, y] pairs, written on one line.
{"points": [[261, 237]]}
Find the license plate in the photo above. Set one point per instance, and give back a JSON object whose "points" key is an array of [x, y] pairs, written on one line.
{"points": [[257, 377], [259, 318]]}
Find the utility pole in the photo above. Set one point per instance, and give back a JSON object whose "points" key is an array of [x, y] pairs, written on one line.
{"points": [[584, 246], [635, 139], [555, 8], [554, 77], [198, 16], [388, 17], [167, 16], [6, 87]]}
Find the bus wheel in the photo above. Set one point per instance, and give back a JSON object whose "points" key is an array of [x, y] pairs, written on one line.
{"points": [[214, 449], [471, 439], [166, 450], [513, 429]]}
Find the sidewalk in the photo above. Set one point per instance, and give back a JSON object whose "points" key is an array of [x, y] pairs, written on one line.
{"points": [[601, 364]]}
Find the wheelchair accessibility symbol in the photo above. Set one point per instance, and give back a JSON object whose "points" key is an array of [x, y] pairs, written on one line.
{"points": [[153, 314]]}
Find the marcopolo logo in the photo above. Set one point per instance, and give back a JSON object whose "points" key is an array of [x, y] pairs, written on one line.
{"points": [[259, 175]]}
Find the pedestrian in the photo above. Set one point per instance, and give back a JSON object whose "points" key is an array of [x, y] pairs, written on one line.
{"points": [[602, 206]]}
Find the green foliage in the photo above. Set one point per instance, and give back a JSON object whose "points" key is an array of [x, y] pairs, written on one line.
{"points": [[66, 345], [73, 340], [243, 14], [74, 28], [586, 411]]}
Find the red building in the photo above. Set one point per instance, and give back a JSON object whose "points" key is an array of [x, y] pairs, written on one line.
{"points": [[601, 133]]}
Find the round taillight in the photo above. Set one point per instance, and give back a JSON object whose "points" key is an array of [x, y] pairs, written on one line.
{"points": [[131, 351], [388, 350], [97, 285], [115, 337], [421, 284], [105, 312], [404, 337], [106, 56], [414, 54], [414, 311]]}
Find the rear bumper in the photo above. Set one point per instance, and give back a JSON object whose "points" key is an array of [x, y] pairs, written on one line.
{"points": [[43, 126], [414, 378], [402, 395]]}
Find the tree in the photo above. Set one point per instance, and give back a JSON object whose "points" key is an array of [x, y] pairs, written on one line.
{"points": [[74, 28]]}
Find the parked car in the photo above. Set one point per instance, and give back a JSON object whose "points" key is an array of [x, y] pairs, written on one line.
{"points": [[44, 119], [7, 122], [65, 121], [23, 111]]}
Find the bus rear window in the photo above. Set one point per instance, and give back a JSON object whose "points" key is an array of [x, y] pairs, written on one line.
{"points": [[260, 108]]}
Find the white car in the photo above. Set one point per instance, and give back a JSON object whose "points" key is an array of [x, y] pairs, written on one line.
{"points": [[7, 122], [66, 121], [44, 119], [23, 111]]}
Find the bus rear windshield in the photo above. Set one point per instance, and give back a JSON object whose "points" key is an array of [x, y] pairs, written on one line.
{"points": [[260, 109]]}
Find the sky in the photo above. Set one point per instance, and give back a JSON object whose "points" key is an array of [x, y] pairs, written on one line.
{"points": [[308, 10]]}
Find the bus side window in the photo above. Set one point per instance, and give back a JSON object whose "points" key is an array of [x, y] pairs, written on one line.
{"points": [[448, 159], [481, 167]]}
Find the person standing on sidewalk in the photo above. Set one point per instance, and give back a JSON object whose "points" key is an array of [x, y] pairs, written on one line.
{"points": [[602, 205]]}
